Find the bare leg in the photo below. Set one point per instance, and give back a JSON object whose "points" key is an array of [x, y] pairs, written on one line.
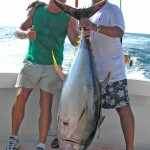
{"points": [[18, 109], [45, 115], [127, 124]]}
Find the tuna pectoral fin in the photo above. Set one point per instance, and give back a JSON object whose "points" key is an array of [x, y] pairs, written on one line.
{"points": [[105, 82], [59, 72], [82, 123]]}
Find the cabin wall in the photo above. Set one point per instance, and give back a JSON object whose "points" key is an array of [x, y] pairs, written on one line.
{"points": [[110, 131]]}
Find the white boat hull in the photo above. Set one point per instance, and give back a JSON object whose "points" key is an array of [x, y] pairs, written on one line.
{"points": [[110, 131]]}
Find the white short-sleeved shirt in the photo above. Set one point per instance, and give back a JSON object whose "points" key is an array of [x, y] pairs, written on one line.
{"points": [[108, 51]]}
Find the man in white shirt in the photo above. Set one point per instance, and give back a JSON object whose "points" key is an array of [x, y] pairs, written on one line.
{"points": [[105, 29]]}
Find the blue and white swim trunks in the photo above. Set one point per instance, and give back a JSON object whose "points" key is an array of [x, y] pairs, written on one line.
{"points": [[115, 95]]}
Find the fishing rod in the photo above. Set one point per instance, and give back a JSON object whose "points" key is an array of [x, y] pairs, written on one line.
{"points": [[120, 4], [76, 3], [121, 9]]}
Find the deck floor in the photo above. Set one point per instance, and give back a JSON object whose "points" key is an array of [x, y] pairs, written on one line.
{"points": [[31, 146]]}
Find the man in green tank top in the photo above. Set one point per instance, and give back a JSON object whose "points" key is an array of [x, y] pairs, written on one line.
{"points": [[46, 28]]}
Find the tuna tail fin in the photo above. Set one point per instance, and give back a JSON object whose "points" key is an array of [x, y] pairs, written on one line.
{"points": [[105, 82], [59, 72], [80, 13]]}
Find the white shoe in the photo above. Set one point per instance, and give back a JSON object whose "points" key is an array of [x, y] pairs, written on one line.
{"points": [[13, 144], [40, 148]]}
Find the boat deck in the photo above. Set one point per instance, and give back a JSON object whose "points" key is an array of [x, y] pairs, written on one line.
{"points": [[31, 146], [27, 144]]}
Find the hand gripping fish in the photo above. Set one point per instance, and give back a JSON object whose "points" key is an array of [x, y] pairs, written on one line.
{"points": [[79, 113]]}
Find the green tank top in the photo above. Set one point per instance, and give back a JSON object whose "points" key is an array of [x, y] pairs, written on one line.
{"points": [[51, 30]]}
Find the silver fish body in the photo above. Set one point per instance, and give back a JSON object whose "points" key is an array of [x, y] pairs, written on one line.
{"points": [[80, 102]]}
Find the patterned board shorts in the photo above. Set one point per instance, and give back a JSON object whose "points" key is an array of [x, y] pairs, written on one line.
{"points": [[34, 75], [115, 95]]}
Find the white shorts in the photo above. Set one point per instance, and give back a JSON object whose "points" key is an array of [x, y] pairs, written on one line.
{"points": [[43, 76]]}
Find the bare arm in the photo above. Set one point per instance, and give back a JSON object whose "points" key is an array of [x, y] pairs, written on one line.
{"points": [[25, 30], [72, 32], [112, 31]]}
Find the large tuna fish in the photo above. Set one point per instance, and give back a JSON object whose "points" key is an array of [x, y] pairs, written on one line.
{"points": [[79, 113]]}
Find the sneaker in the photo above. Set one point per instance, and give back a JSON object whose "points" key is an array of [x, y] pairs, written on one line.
{"points": [[55, 143], [13, 144], [39, 148]]}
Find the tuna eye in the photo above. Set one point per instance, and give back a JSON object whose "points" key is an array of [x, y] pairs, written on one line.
{"points": [[65, 123]]}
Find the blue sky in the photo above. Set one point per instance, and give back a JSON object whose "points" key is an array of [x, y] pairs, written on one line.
{"points": [[136, 12]]}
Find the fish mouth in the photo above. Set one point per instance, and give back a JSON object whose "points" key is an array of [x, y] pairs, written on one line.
{"points": [[72, 141], [69, 144]]}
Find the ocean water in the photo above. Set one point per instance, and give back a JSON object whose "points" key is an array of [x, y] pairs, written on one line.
{"points": [[13, 50]]}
